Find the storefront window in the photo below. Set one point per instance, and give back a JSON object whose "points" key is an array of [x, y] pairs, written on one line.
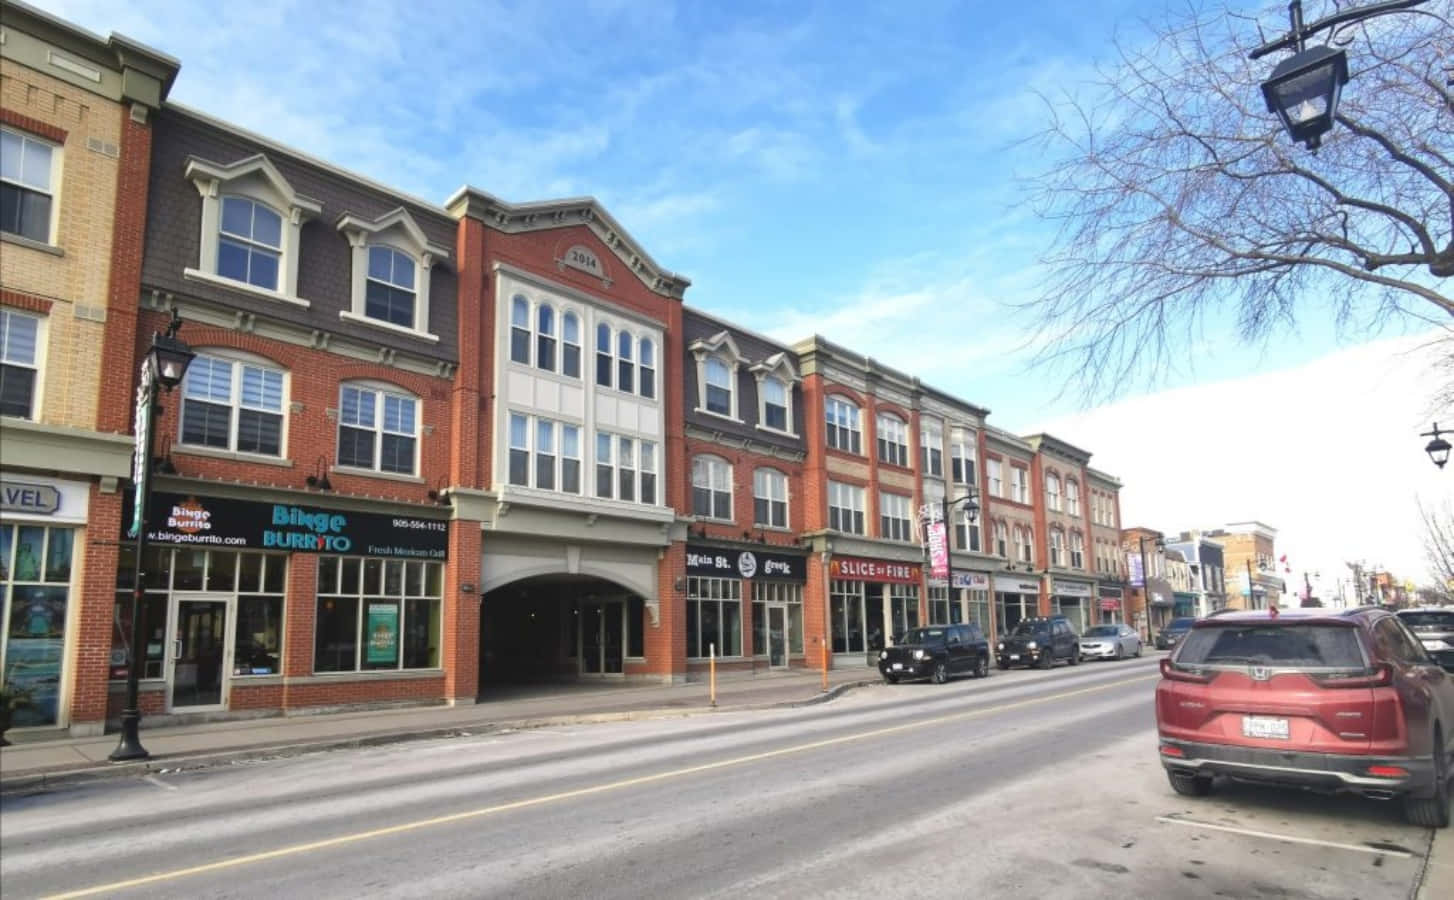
{"points": [[846, 610], [387, 619], [904, 608], [35, 574], [979, 608], [635, 627], [765, 592], [939, 612], [714, 616]]}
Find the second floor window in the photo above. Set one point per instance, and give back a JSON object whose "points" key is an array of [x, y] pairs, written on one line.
{"points": [[711, 488], [520, 330], [552, 462], [1052, 492], [1057, 547], [545, 338], [770, 498], [844, 432], [390, 294], [1019, 484], [647, 361], [966, 533], [570, 347], [1072, 497], [1002, 540], [19, 336], [232, 405], [1025, 541], [963, 462], [992, 471], [719, 387], [377, 430], [250, 245], [845, 507], [26, 191], [1077, 551], [893, 440], [931, 449], [893, 517]]}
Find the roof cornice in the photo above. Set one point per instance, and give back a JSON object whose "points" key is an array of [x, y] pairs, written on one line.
{"points": [[516, 218]]}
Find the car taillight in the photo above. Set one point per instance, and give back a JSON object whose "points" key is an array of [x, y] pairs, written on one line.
{"points": [[1388, 771], [1175, 672], [1168, 750], [1380, 675]]}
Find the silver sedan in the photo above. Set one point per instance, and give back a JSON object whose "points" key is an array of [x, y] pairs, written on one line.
{"points": [[1110, 642]]}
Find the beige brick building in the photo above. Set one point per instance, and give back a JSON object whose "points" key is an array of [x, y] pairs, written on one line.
{"points": [[74, 153]]}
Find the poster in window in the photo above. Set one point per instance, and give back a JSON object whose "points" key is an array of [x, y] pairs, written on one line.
{"points": [[383, 634]]}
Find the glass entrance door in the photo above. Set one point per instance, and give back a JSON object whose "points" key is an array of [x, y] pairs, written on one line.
{"points": [[777, 637], [198, 671], [603, 627]]}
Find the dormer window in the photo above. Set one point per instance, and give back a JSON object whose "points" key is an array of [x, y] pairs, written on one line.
{"points": [[775, 404], [719, 387], [250, 243], [392, 261], [390, 296], [775, 379], [718, 361]]}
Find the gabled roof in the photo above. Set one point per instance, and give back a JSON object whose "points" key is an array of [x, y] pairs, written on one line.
{"points": [[715, 343], [778, 362], [516, 218], [198, 169], [395, 219]]}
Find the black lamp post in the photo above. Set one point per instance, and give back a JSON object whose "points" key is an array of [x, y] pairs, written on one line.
{"points": [[165, 364], [1438, 448], [1303, 90], [1160, 544]]}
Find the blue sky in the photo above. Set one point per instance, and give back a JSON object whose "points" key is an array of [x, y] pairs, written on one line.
{"points": [[844, 168]]}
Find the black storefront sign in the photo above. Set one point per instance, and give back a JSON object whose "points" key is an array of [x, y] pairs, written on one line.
{"points": [[195, 520], [745, 564]]}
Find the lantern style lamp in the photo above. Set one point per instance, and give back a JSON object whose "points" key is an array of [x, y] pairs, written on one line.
{"points": [[1303, 90], [1438, 448]]}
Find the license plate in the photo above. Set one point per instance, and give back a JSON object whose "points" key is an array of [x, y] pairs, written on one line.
{"points": [[1014, 656], [898, 666], [1264, 727]]}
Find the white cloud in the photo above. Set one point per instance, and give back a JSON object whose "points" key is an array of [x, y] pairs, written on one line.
{"points": [[1328, 453]]}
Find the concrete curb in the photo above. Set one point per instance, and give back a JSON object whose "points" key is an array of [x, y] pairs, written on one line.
{"points": [[66, 775]]}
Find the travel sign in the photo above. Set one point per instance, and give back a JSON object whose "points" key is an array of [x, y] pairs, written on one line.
{"points": [[246, 524]]}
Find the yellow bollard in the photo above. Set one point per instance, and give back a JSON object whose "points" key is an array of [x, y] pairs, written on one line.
{"points": [[712, 671], [825, 665]]}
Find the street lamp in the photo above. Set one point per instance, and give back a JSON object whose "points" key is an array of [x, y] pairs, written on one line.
{"points": [[165, 364], [1303, 90], [1160, 543], [1438, 448]]}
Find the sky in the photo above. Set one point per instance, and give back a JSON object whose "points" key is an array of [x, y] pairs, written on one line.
{"points": [[845, 168]]}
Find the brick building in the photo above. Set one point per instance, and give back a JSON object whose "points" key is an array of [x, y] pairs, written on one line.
{"points": [[76, 121], [1249, 553]]}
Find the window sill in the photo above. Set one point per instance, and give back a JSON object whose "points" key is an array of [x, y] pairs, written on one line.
{"points": [[234, 455], [717, 415], [243, 287], [364, 675], [780, 529], [374, 473], [778, 431], [713, 520], [349, 315], [20, 241]]}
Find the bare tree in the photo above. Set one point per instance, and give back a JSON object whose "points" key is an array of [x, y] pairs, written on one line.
{"points": [[1179, 197], [1436, 527]]}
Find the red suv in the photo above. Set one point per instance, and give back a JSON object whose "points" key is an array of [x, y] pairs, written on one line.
{"points": [[1324, 699]]}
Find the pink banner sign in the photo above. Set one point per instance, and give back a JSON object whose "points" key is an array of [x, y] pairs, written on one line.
{"points": [[938, 551]]}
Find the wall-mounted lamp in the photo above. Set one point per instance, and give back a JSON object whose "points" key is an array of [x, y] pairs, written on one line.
{"points": [[164, 465], [319, 478], [440, 493]]}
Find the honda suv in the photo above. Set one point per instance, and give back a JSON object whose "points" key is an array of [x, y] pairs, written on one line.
{"points": [[1435, 630], [1039, 641], [1322, 699]]}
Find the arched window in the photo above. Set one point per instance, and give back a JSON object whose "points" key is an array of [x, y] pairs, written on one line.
{"points": [[893, 440], [520, 330], [647, 360], [603, 355], [1002, 540], [570, 352], [1072, 497], [378, 428], [233, 401], [776, 397], [1077, 550], [545, 337], [625, 369], [711, 488], [1027, 549], [844, 431], [1052, 491], [250, 242], [719, 387], [1057, 547]]}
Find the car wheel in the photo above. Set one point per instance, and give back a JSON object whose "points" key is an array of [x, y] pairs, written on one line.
{"points": [[891, 679], [1048, 660], [982, 667], [941, 673], [1137, 654], [1120, 652], [1190, 785], [1075, 656], [1002, 665], [1432, 812]]}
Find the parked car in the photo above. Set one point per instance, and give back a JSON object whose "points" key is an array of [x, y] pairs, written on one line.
{"points": [[1116, 641], [1343, 701], [1173, 632], [1038, 641], [1435, 630], [937, 652]]}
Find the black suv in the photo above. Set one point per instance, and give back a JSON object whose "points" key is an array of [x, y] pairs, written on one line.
{"points": [[937, 652], [1435, 630], [1173, 631], [1039, 641]]}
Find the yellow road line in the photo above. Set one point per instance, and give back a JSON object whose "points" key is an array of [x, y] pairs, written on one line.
{"points": [[310, 846]]}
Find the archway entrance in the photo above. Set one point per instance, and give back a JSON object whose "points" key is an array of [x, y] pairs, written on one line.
{"points": [[557, 628]]}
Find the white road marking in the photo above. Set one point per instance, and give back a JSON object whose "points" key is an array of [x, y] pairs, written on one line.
{"points": [[152, 779], [1193, 823]]}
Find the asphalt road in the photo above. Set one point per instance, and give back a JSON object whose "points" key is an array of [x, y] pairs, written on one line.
{"points": [[1028, 783]]}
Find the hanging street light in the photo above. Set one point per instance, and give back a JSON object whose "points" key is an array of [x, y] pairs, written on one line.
{"points": [[1438, 448], [1303, 90]]}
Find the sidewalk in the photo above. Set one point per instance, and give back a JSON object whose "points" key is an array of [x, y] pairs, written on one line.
{"points": [[37, 764], [1438, 882]]}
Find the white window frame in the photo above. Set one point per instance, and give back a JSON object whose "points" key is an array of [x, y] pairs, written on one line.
{"points": [[1002, 539], [729, 369], [615, 462], [994, 473], [892, 433], [1072, 497], [1077, 550], [964, 454], [396, 230], [776, 368], [646, 374], [51, 190], [1057, 547], [722, 348], [568, 314], [848, 500], [1052, 491], [846, 408], [713, 470], [1020, 484], [37, 361], [770, 486], [255, 178], [931, 446], [895, 520], [380, 390], [238, 360]]}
